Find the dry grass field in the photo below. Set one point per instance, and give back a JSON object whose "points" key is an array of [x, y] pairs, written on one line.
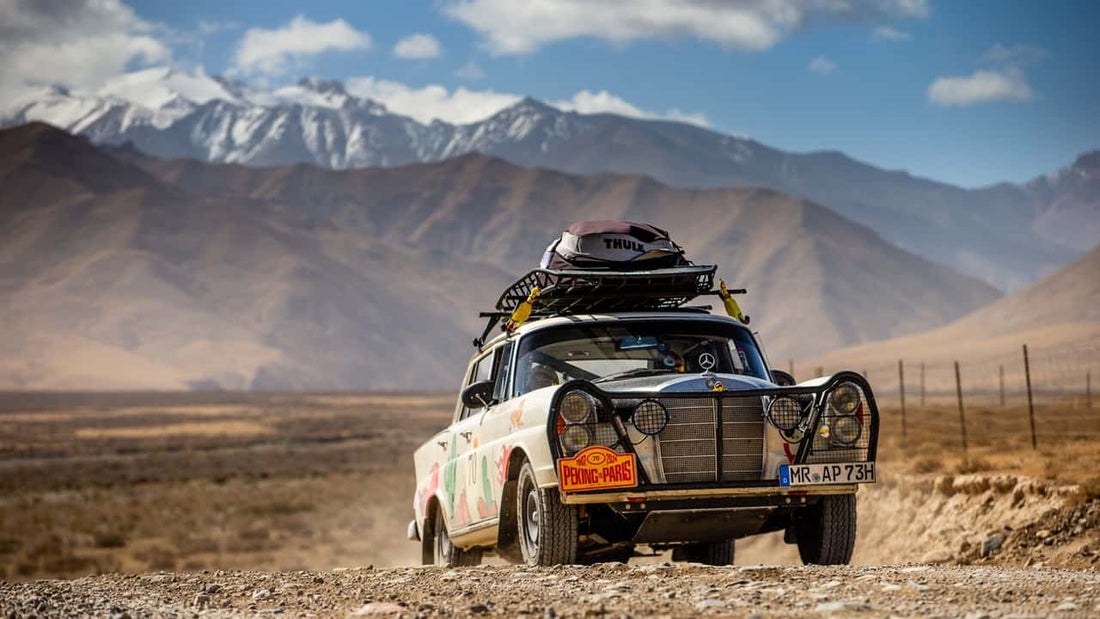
{"points": [[93, 483], [1067, 435]]}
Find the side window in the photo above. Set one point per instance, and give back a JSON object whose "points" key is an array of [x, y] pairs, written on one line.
{"points": [[483, 370], [500, 387]]}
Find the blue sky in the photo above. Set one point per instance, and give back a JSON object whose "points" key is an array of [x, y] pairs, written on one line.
{"points": [[968, 92]]}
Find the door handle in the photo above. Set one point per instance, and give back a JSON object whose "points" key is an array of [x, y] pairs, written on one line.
{"points": [[442, 444], [466, 435]]}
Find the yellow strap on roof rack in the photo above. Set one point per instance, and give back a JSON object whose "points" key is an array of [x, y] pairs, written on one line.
{"points": [[732, 308], [522, 311]]}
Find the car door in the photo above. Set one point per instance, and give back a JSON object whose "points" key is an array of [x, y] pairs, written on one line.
{"points": [[489, 465], [460, 474]]}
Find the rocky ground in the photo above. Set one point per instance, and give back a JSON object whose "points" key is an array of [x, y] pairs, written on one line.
{"points": [[603, 590]]}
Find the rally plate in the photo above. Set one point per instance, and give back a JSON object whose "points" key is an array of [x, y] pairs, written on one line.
{"points": [[817, 474], [597, 468]]}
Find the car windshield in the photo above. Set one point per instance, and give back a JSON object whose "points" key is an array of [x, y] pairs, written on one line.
{"points": [[604, 351]]}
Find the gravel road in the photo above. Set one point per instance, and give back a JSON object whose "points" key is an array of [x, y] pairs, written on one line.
{"points": [[609, 589]]}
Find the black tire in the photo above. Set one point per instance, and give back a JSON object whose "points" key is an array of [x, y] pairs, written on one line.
{"points": [[546, 527], [826, 532], [717, 553], [438, 549]]}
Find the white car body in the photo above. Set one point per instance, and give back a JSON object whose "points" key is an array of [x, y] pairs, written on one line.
{"points": [[462, 472]]}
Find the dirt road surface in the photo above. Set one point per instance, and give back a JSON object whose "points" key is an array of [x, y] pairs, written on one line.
{"points": [[611, 590]]}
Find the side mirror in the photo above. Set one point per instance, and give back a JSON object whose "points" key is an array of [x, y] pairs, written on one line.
{"points": [[478, 395], [783, 379]]}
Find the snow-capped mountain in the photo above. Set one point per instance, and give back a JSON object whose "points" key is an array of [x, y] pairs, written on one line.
{"points": [[1070, 203], [1007, 235], [172, 114]]}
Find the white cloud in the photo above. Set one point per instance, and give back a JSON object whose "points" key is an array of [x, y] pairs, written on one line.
{"points": [[417, 46], [586, 102], [889, 33], [603, 102], [432, 101], [980, 87], [272, 52], [78, 44], [511, 27], [822, 65], [1014, 54], [470, 72], [1005, 82]]}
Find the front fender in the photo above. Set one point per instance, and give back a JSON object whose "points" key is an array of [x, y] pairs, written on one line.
{"points": [[527, 417]]}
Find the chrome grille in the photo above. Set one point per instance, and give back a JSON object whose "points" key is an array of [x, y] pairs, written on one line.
{"points": [[742, 438], [688, 445], [688, 450]]}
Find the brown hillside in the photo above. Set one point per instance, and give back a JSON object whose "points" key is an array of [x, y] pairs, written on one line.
{"points": [[1059, 311], [816, 280]]}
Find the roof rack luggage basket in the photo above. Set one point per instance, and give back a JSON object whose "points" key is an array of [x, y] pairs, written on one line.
{"points": [[590, 291]]}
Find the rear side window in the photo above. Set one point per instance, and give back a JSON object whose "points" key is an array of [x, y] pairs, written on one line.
{"points": [[482, 370]]}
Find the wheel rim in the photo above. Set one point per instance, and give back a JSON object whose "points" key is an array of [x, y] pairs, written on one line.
{"points": [[531, 518], [443, 547]]}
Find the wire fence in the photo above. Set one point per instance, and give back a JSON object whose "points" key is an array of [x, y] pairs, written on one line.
{"points": [[1027, 398]]}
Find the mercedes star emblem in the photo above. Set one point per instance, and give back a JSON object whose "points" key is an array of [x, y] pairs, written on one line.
{"points": [[707, 361]]}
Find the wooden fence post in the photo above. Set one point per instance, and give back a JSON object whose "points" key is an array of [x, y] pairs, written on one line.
{"points": [[790, 365], [901, 390], [962, 412], [820, 371], [1002, 386], [1030, 403]]}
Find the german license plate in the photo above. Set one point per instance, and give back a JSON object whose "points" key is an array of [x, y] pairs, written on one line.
{"points": [[815, 474]]}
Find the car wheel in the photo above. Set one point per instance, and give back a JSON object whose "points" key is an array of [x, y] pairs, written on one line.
{"points": [[547, 528], [716, 553], [826, 532], [446, 554]]}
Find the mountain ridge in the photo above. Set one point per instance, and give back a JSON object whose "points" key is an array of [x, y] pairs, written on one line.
{"points": [[1007, 235]]}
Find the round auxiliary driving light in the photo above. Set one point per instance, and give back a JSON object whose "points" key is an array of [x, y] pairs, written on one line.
{"points": [[845, 398], [650, 417], [575, 438], [785, 413], [846, 429], [576, 406]]}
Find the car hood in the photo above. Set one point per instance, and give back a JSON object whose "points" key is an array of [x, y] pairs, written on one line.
{"points": [[680, 383]]}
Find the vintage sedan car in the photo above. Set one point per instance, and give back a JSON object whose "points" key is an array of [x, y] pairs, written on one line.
{"points": [[583, 438]]}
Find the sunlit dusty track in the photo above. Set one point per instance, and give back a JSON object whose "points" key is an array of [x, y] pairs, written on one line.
{"points": [[607, 589]]}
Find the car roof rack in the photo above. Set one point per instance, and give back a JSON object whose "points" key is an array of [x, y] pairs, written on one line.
{"points": [[590, 291]]}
